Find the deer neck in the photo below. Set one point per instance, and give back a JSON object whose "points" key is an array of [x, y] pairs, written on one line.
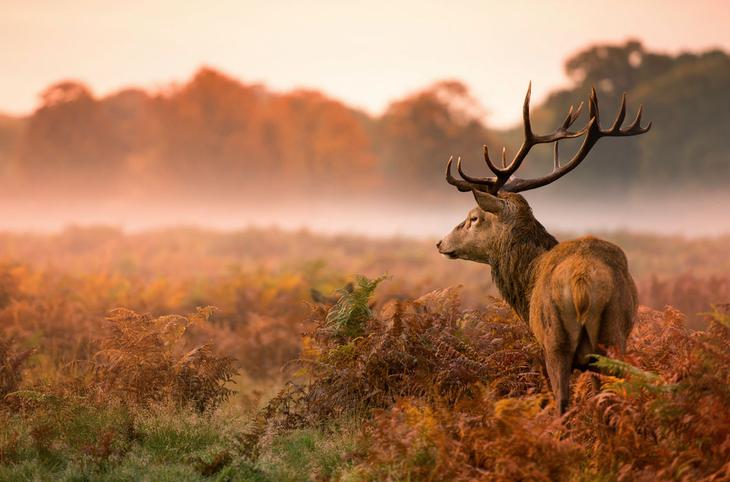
{"points": [[514, 269]]}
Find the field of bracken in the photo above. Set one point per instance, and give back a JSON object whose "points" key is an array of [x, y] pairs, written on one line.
{"points": [[268, 355]]}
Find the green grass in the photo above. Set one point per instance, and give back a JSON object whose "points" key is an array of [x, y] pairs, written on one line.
{"points": [[73, 442], [309, 454]]}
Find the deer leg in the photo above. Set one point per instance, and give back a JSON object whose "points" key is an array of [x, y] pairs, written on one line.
{"points": [[545, 374], [582, 360], [559, 367]]}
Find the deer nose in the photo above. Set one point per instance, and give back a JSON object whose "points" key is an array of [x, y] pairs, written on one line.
{"points": [[438, 245]]}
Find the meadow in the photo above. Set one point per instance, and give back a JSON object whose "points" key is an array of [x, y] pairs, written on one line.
{"points": [[262, 354]]}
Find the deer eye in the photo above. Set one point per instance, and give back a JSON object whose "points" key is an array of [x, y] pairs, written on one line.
{"points": [[474, 220]]}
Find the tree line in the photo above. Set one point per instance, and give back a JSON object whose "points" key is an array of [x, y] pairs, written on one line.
{"points": [[216, 135]]}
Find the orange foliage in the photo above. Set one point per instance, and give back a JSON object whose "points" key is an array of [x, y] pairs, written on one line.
{"points": [[215, 137], [144, 359], [664, 416], [447, 390]]}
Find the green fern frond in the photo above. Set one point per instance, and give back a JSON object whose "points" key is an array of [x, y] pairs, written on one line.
{"points": [[632, 378], [352, 311]]}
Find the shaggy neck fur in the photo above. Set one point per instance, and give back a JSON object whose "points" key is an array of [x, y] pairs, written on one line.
{"points": [[519, 250]]}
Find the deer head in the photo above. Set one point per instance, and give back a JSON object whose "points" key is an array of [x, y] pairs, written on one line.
{"points": [[501, 213], [482, 235]]}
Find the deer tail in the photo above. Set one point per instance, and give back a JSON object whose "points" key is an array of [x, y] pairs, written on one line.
{"points": [[581, 298]]}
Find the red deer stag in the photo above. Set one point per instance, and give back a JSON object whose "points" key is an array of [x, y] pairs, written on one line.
{"points": [[577, 296]]}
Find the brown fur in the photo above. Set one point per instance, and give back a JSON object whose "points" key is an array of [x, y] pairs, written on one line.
{"points": [[577, 296]]}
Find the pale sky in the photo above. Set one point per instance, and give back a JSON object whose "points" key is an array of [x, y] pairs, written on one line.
{"points": [[365, 53]]}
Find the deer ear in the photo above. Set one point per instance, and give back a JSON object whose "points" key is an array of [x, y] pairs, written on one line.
{"points": [[488, 202]]}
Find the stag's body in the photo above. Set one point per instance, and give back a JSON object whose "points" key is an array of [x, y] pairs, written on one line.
{"points": [[577, 296], [583, 300]]}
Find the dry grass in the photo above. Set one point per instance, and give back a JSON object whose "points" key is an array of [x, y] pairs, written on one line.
{"points": [[380, 382], [144, 360], [11, 364]]}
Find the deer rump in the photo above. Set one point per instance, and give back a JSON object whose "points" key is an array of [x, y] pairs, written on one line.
{"points": [[582, 301]]}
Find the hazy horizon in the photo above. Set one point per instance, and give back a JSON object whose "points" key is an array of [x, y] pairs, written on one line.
{"points": [[662, 215]]}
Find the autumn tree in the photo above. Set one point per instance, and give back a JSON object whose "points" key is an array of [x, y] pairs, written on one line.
{"points": [[70, 142], [686, 97], [418, 133], [322, 142], [214, 136]]}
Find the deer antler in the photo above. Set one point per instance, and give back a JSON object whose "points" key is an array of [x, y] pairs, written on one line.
{"points": [[504, 179]]}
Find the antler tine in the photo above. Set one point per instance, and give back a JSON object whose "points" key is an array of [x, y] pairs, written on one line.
{"points": [[593, 107], [504, 154], [462, 186], [475, 180], [566, 122], [465, 185], [562, 132], [530, 140], [526, 115], [620, 116], [556, 158], [572, 116], [637, 121], [635, 127], [496, 170]]}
